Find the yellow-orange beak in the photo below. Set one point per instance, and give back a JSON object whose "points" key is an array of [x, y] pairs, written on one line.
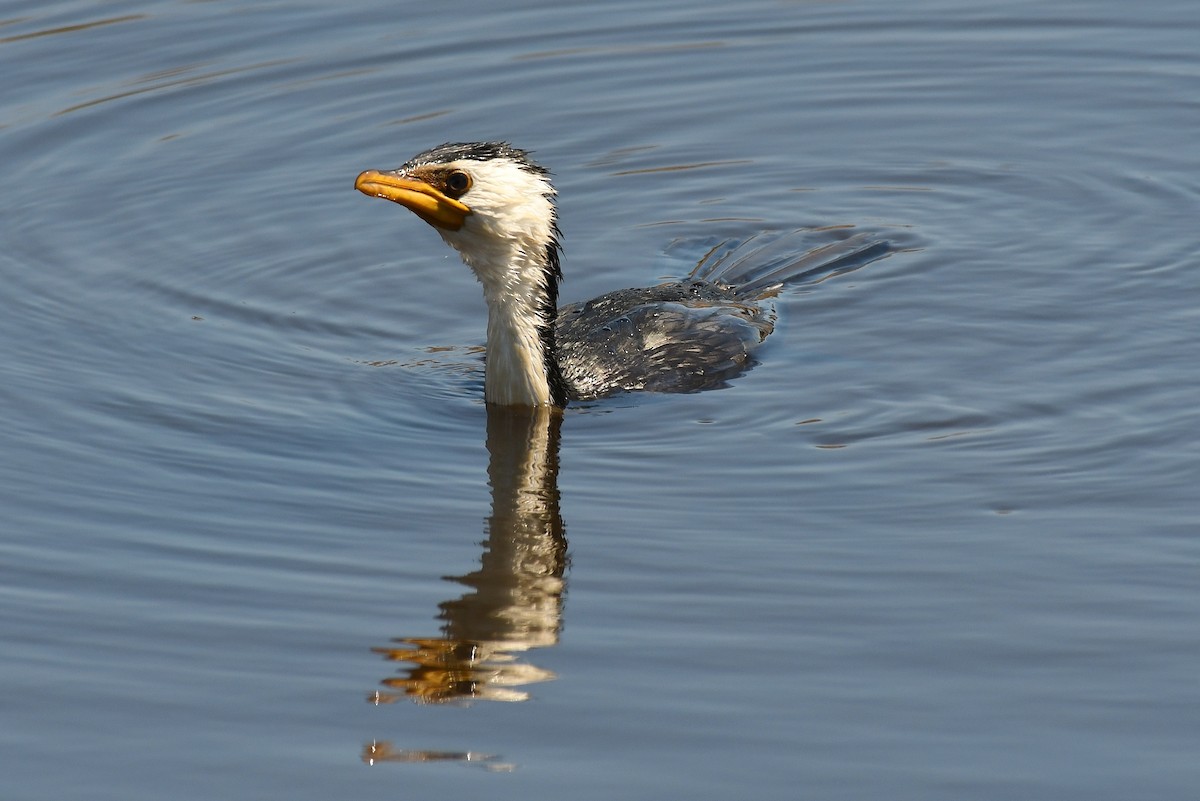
{"points": [[418, 197]]}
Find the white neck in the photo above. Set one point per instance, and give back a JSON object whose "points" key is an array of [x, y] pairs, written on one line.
{"points": [[514, 276], [515, 374]]}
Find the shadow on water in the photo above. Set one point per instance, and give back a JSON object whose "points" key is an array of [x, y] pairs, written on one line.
{"points": [[514, 601]]}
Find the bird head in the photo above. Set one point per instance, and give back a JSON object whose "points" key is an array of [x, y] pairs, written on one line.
{"points": [[489, 201]]}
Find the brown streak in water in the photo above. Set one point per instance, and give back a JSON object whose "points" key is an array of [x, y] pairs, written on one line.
{"points": [[433, 115], [681, 167], [618, 51], [896, 188], [83, 26], [191, 81], [955, 434]]}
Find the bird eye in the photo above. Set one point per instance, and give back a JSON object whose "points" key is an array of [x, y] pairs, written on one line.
{"points": [[458, 182]]}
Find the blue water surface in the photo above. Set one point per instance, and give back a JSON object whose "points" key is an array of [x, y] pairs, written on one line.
{"points": [[260, 537]]}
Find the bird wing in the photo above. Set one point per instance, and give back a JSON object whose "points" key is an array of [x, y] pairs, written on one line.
{"points": [[679, 337]]}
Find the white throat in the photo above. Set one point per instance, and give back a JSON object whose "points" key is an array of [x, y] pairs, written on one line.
{"points": [[515, 374], [507, 249]]}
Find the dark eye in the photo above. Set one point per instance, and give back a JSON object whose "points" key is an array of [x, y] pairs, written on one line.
{"points": [[458, 182]]}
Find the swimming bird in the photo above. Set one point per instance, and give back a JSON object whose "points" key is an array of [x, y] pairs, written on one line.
{"points": [[495, 205]]}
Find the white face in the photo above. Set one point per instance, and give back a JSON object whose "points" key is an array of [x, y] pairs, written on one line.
{"points": [[508, 203]]}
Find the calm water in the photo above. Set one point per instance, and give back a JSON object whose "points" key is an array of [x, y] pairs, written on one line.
{"points": [[261, 538]]}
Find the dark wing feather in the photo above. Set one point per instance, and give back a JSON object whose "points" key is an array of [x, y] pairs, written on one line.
{"points": [[677, 337]]}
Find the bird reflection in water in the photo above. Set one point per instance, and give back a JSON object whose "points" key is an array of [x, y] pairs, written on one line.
{"points": [[384, 752], [514, 601]]}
